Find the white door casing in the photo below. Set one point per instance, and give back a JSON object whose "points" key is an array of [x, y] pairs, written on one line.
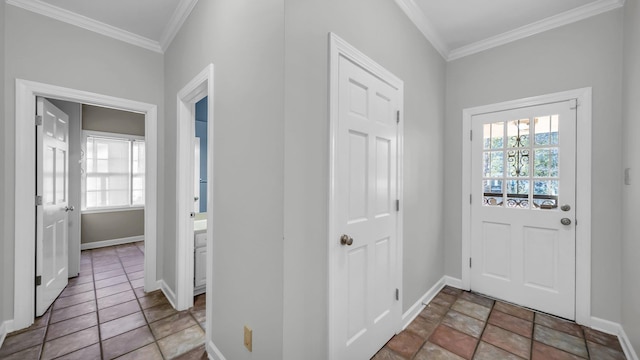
{"points": [[52, 214], [365, 237], [199, 87], [25, 183], [523, 183], [583, 189]]}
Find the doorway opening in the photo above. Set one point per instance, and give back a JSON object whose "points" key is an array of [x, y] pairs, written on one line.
{"points": [[194, 201], [25, 182]]}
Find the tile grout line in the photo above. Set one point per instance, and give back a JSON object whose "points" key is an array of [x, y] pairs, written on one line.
{"points": [[95, 294]]}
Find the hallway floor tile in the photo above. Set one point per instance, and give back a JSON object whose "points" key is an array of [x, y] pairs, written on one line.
{"points": [[105, 314], [459, 325]]}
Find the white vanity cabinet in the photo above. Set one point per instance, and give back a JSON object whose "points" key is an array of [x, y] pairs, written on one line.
{"points": [[200, 263]]}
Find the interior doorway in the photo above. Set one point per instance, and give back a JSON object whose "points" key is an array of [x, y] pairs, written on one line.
{"points": [[25, 180], [194, 189]]}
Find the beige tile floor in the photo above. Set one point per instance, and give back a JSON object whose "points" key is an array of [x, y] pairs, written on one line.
{"points": [[461, 325], [105, 314]]}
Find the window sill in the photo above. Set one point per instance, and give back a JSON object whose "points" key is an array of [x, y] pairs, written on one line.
{"points": [[111, 209]]}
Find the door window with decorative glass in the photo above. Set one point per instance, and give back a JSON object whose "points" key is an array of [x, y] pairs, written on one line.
{"points": [[114, 171], [520, 163]]}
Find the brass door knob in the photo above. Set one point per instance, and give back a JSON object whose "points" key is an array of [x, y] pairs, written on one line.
{"points": [[346, 240]]}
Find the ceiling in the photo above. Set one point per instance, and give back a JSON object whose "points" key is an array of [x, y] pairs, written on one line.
{"points": [[456, 28]]}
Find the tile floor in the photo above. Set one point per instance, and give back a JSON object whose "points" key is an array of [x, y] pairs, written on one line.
{"points": [[105, 314], [461, 325]]}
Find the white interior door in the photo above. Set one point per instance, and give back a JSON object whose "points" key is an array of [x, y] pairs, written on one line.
{"points": [[52, 186], [523, 221], [364, 246]]}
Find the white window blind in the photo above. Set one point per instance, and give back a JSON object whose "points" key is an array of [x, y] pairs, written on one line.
{"points": [[114, 172]]}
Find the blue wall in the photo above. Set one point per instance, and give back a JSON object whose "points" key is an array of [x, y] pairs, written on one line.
{"points": [[201, 132]]}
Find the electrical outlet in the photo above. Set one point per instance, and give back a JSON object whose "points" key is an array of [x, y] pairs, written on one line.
{"points": [[248, 338]]}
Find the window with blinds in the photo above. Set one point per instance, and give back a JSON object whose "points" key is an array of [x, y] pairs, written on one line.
{"points": [[114, 171]]}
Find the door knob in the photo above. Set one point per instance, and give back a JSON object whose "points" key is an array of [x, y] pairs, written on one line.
{"points": [[565, 221], [565, 207], [346, 240], [69, 208]]}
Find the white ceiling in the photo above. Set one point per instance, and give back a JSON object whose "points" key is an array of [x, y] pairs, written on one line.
{"points": [[456, 28]]}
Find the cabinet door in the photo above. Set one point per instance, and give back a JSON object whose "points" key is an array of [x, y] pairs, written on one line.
{"points": [[201, 267]]}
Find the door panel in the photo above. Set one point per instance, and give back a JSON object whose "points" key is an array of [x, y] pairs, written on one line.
{"points": [[366, 180], [523, 172], [52, 219]]}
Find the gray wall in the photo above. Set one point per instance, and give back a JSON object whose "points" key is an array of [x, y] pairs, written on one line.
{"points": [[112, 225], [380, 30], [631, 193], [5, 314], [587, 53], [74, 110], [244, 40], [81, 60], [98, 118]]}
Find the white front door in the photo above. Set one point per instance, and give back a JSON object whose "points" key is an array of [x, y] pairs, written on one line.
{"points": [[523, 206], [364, 245], [52, 220]]}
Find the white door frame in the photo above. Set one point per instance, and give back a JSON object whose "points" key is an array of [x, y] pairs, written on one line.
{"points": [[199, 87], [25, 180], [583, 189], [340, 48]]}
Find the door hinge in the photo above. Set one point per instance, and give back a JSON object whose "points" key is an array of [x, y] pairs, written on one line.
{"points": [[397, 294], [38, 280], [38, 200], [398, 117], [470, 135], [397, 205], [470, 198], [469, 262], [38, 120]]}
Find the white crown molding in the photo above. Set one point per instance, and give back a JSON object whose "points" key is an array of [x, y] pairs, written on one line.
{"points": [[178, 18], [87, 23], [552, 22], [417, 16]]}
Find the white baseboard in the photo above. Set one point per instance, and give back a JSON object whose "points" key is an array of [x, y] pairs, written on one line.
{"points": [[616, 329], [416, 308], [213, 351], [453, 282], [105, 243], [168, 293], [5, 328]]}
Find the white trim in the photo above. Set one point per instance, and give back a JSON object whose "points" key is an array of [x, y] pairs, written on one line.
{"points": [[420, 20], [199, 87], [453, 282], [552, 22], [340, 48], [583, 189], [111, 209], [616, 329], [25, 178], [111, 242], [5, 328], [168, 293], [422, 302], [86, 23], [213, 351], [183, 10]]}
